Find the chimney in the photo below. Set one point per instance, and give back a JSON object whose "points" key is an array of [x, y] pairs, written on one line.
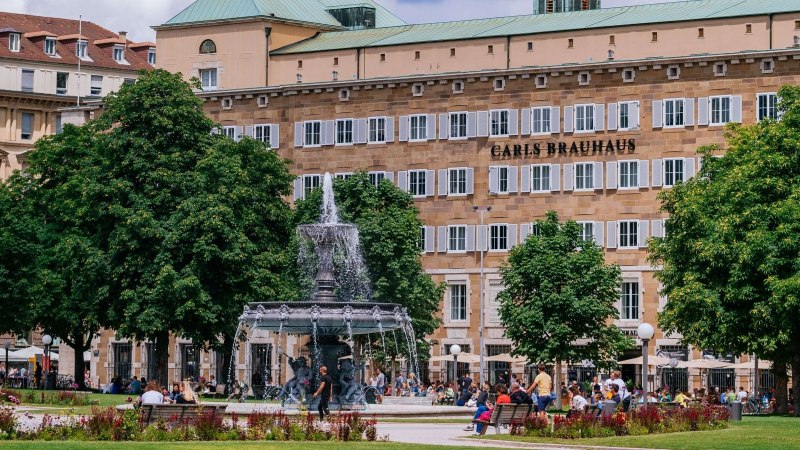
{"points": [[123, 35]]}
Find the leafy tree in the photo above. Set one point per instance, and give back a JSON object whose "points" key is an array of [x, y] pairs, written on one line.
{"points": [[389, 229], [729, 261], [558, 290]]}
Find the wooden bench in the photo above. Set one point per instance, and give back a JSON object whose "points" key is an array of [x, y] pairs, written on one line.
{"points": [[152, 413], [505, 414], [219, 391]]}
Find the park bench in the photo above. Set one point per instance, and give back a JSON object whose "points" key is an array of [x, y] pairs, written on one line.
{"points": [[152, 413], [505, 414], [219, 391]]}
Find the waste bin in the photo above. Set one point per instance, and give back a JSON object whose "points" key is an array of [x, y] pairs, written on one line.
{"points": [[609, 407], [50, 381], [735, 409]]}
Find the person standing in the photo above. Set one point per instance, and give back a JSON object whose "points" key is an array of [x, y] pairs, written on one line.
{"points": [[324, 392], [466, 383], [741, 395], [543, 384], [381, 383]]}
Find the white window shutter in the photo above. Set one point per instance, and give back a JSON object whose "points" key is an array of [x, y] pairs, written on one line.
{"points": [[598, 176], [238, 133], [526, 122], [611, 235], [470, 238], [599, 233], [402, 180], [658, 172], [361, 131], [389, 129], [644, 230], [298, 134], [470, 181], [612, 116], [611, 175], [403, 129], [494, 179], [569, 117], [330, 132], [513, 122], [568, 177], [472, 125], [442, 182], [442, 239], [431, 125], [430, 177], [555, 177], [444, 130], [644, 174], [483, 123], [633, 116], [658, 228], [275, 136], [389, 176], [688, 165], [248, 131], [555, 120], [480, 238], [525, 186], [298, 188], [512, 235], [688, 112], [524, 231], [513, 178], [736, 108], [702, 111], [599, 116], [429, 239], [658, 114]]}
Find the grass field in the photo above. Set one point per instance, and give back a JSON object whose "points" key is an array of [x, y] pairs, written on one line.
{"points": [[761, 433]]}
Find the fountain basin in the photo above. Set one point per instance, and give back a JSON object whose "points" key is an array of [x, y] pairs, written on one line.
{"points": [[331, 317]]}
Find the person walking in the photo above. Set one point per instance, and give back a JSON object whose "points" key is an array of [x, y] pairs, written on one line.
{"points": [[543, 384], [324, 393]]}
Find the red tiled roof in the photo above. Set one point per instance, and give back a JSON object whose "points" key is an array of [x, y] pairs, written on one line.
{"points": [[64, 28]]}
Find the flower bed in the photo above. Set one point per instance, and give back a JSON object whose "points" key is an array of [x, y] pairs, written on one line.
{"points": [[644, 420]]}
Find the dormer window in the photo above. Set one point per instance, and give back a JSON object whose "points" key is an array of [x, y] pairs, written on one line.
{"points": [[151, 56], [119, 53], [80, 49], [14, 42], [50, 46], [208, 47]]}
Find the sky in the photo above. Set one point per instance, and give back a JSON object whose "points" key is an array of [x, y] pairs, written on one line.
{"points": [[137, 16]]}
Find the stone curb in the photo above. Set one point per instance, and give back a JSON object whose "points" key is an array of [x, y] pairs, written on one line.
{"points": [[544, 446]]}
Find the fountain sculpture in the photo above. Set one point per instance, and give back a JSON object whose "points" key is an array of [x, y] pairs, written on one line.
{"points": [[338, 305]]}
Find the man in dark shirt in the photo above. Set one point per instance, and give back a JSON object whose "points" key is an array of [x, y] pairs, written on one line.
{"points": [[519, 396], [466, 383], [324, 392]]}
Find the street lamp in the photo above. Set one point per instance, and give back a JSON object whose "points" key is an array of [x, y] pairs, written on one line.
{"points": [[645, 332], [482, 211], [455, 350], [47, 340], [6, 345]]}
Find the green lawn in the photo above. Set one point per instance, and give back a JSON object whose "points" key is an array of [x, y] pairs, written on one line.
{"points": [[219, 445], [762, 433]]}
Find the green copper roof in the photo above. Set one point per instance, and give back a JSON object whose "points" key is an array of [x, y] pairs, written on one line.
{"points": [[541, 23], [307, 11]]}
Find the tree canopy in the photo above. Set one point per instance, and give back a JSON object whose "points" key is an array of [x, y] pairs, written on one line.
{"points": [[729, 261]]}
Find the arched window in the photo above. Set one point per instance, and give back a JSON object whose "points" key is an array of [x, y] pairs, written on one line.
{"points": [[208, 47]]}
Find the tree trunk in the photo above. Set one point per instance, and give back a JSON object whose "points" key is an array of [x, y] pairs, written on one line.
{"points": [[557, 384], [81, 345], [781, 382], [796, 372], [161, 342]]}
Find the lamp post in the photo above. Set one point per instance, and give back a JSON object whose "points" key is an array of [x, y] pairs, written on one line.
{"points": [[645, 332], [47, 340], [482, 211], [6, 345], [455, 350]]}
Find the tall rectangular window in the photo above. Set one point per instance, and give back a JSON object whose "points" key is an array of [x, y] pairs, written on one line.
{"points": [[50, 46], [767, 106], [626, 120], [313, 134], [377, 130], [587, 231], [262, 133], [628, 234], [119, 53], [540, 177], [418, 127], [416, 182], [344, 132], [457, 179], [261, 366], [628, 174], [584, 118], [81, 48], [14, 42], [208, 79], [151, 56], [498, 237], [230, 132], [540, 120], [123, 354], [720, 110], [190, 362], [674, 112], [376, 177], [310, 182], [457, 238], [458, 302], [502, 179], [584, 176], [421, 240], [629, 301], [27, 80], [62, 78], [97, 85], [27, 126], [498, 122], [673, 171], [458, 125]]}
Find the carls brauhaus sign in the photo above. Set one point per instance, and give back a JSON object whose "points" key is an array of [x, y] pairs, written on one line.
{"points": [[575, 148]]}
